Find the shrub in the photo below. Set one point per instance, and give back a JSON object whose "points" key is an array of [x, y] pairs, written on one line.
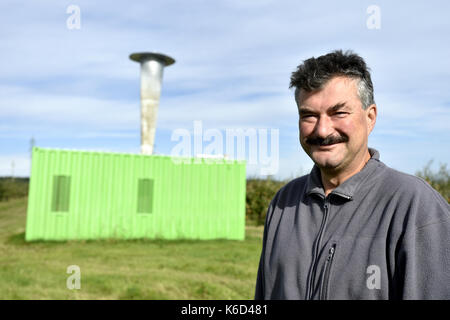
{"points": [[259, 194], [13, 188], [439, 180]]}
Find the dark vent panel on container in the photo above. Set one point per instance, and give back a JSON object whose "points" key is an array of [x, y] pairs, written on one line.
{"points": [[145, 196], [61, 193]]}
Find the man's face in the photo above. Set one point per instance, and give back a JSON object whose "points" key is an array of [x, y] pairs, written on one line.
{"points": [[334, 128]]}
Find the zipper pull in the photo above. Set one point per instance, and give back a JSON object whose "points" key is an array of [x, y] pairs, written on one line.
{"points": [[331, 252]]}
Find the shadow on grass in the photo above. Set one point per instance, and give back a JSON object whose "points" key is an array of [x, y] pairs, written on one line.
{"points": [[18, 239]]}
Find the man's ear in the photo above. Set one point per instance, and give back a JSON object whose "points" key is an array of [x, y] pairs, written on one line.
{"points": [[371, 115]]}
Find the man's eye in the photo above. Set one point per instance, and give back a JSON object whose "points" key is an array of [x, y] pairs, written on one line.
{"points": [[341, 114]]}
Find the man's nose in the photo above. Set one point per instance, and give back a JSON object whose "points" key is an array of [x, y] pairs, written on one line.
{"points": [[324, 127]]}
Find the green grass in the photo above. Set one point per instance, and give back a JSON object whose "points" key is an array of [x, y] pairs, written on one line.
{"points": [[119, 269]]}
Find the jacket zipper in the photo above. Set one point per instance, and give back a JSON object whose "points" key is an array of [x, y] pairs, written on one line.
{"points": [[316, 253], [326, 273]]}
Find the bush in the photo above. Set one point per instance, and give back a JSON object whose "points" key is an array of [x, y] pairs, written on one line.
{"points": [[259, 194], [438, 180], [13, 188]]}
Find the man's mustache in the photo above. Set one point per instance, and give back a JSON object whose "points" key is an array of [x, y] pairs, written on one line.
{"points": [[318, 141]]}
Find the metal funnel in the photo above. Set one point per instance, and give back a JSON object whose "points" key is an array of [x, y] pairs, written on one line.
{"points": [[152, 65]]}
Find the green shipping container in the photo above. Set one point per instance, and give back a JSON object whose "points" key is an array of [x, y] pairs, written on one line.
{"points": [[94, 195]]}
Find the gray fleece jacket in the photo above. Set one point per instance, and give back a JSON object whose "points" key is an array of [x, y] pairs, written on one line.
{"points": [[381, 234]]}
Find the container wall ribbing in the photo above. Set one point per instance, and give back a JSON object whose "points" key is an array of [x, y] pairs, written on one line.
{"points": [[93, 195]]}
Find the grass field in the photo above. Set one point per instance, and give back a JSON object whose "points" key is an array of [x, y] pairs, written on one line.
{"points": [[113, 269]]}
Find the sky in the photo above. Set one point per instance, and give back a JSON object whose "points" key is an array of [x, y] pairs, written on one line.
{"points": [[66, 80]]}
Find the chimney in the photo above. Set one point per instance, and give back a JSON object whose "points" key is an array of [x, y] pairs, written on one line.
{"points": [[152, 65]]}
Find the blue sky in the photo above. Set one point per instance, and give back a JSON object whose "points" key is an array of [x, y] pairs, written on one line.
{"points": [[77, 88]]}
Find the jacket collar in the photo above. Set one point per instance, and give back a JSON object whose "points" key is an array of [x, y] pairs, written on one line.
{"points": [[348, 188]]}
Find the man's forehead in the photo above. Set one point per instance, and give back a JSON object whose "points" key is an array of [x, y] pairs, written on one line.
{"points": [[334, 90]]}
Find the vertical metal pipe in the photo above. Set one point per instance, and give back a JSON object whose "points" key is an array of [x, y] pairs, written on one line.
{"points": [[152, 65]]}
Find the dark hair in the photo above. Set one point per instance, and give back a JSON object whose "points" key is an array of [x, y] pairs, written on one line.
{"points": [[314, 73]]}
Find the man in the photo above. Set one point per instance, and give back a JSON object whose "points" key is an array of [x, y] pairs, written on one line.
{"points": [[353, 228]]}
